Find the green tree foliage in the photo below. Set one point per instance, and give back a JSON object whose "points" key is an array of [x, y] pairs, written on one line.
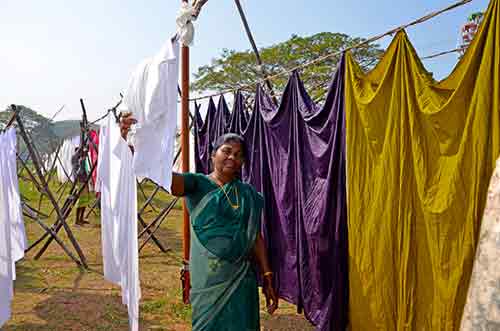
{"points": [[233, 69]]}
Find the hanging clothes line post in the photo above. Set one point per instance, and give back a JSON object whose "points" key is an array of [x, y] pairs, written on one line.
{"points": [[185, 165], [197, 5]]}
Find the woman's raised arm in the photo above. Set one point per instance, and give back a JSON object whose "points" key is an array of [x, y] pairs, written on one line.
{"points": [[177, 188]]}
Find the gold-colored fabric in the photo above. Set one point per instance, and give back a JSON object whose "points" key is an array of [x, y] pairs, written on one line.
{"points": [[420, 154]]}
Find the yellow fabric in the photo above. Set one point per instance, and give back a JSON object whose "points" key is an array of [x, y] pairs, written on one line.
{"points": [[420, 154]]}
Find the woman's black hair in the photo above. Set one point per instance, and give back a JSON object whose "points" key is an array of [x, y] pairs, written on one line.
{"points": [[230, 137]]}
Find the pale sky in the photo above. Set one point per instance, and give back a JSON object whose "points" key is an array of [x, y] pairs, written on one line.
{"points": [[54, 52]]}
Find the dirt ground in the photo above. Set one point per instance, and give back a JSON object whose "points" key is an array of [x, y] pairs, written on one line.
{"points": [[53, 294]]}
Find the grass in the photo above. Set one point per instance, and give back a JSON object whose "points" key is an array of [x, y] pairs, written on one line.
{"points": [[53, 294]]}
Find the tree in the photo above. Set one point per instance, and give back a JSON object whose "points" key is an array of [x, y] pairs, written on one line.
{"points": [[233, 69]]}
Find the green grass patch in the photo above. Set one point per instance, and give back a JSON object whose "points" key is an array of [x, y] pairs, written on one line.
{"points": [[180, 311], [154, 306]]}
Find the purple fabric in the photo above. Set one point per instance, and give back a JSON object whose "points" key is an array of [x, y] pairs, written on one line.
{"points": [[203, 137], [297, 160], [238, 116], [222, 117]]}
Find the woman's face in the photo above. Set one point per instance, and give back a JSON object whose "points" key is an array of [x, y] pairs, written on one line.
{"points": [[228, 158]]}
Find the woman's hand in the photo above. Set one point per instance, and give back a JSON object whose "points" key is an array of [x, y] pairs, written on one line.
{"points": [[270, 294], [125, 122], [260, 256]]}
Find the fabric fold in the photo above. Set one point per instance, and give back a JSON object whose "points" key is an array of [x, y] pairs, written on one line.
{"points": [[151, 96], [117, 184], [296, 160], [419, 155]]}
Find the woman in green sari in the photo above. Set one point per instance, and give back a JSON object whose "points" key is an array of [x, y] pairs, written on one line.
{"points": [[225, 239]]}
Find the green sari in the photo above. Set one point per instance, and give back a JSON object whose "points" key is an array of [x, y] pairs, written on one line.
{"points": [[224, 294]]}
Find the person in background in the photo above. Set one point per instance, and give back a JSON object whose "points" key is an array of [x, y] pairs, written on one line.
{"points": [[80, 175]]}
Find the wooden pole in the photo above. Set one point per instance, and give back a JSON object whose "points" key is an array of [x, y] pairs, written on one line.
{"points": [[163, 212], [147, 229], [66, 210], [158, 220], [255, 49], [139, 185], [185, 163], [12, 118], [45, 186]]}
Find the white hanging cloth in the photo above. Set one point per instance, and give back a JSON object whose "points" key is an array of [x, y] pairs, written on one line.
{"points": [[184, 21], [12, 233], [64, 167], [151, 96], [117, 184]]}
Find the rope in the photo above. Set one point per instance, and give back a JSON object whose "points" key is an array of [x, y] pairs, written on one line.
{"points": [[109, 111], [100, 118], [443, 53], [57, 113], [324, 57]]}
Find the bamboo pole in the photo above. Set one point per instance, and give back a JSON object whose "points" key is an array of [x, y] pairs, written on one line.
{"points": [[69, 203], [47, 190], [163, 213], [66, 210], [255, 49], [160, 220], [139, 184], [12, 118], [48, 230], [147, 229], [92, 208]]}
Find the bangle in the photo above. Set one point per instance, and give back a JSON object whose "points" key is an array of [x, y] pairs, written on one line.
{"points": [[269, 273]]}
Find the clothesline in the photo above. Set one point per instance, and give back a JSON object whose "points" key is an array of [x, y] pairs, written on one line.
{"points": [[57, 112], [324, 57], [443, 53], [325, 83], [109, 111]]}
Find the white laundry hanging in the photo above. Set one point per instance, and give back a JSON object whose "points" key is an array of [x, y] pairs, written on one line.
{"points": [[12, 233], [151, 96], [117, 183]]}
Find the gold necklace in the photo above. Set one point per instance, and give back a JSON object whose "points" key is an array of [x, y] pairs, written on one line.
{"points": [[234, 206]]}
